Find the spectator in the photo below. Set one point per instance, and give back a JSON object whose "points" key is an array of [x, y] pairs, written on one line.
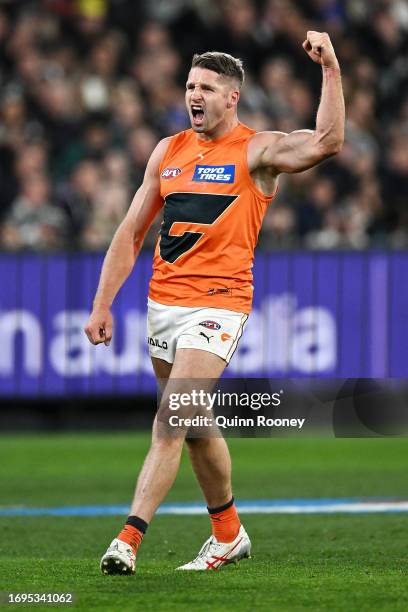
{"points": [[33, 222], [142, 141], [77, 196], [108, 209]]}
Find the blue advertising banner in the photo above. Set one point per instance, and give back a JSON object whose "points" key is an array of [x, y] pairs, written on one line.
{"points": [[315, 315]]}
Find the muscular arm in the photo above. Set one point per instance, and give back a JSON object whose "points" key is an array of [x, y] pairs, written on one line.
{"points": [[303, 149], [125, 246]]}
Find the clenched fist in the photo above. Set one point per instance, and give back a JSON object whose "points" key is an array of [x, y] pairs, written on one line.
{"points": [[319, 48], [99, 326]]}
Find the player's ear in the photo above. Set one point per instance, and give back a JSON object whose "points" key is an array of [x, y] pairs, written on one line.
{"points": [[233, 98]]}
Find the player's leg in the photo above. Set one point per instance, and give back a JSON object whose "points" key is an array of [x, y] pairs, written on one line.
{"points": [[160, 453], [211, 462], [123, 548]]}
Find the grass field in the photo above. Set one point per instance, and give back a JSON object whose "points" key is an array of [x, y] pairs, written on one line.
{"points": [[300, 562]]}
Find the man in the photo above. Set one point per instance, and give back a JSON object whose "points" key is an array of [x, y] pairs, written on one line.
{"points": [[215, 182]]}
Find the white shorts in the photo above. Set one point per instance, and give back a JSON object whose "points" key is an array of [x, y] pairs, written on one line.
{"points": [[214, 330]]}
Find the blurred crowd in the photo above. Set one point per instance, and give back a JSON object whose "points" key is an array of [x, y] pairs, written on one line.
{"points": [[88, 87]]}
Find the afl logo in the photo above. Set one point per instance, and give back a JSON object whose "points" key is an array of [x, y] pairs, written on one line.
{"points": [[210, 324], [169, 173]]}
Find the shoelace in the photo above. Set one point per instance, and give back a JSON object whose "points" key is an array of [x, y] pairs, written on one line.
{"points": [[209, 548]]}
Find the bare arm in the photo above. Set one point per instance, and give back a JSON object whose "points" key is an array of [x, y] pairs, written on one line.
{"points": [[124, 248], [303, 149]]}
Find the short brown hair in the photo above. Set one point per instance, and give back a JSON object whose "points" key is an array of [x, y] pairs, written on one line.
{"points": [[221, 63]]}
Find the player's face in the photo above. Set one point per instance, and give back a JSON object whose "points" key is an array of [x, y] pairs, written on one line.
{"points": [[209, 99]]}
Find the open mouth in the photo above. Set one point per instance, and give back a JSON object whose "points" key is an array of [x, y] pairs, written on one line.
{"points": [[198, 114]]}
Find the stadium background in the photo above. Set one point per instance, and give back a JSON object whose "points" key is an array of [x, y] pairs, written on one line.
{"points": [[86, 90]]}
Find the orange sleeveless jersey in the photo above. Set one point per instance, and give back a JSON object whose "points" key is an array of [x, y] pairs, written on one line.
{"points": [[212, 216]]}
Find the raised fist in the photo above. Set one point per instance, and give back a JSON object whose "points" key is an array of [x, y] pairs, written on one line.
{"points": [[319, 48]]}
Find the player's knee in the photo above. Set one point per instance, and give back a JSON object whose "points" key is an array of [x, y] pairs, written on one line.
{"points": [[167, 442]]}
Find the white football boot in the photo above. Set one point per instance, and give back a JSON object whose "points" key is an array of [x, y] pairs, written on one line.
{"points": [[214, 555], [118, 559]]}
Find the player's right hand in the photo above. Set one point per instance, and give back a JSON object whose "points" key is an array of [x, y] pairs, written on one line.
{"points": [[99, 326]]}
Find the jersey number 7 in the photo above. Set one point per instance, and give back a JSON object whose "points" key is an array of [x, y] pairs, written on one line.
{"points": [[186, 218]]}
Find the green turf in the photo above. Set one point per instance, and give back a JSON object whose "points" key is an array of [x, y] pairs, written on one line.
{"points": [[299, 562]]}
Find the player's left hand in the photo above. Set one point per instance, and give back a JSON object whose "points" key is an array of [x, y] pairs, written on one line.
{"points": [[319, 48]]}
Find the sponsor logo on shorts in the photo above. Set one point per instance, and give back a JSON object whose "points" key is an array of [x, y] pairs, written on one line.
{"points": [[214, 174], [225, 337], [156, 342], [210, 324], [169, 173], [208, 338]]}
